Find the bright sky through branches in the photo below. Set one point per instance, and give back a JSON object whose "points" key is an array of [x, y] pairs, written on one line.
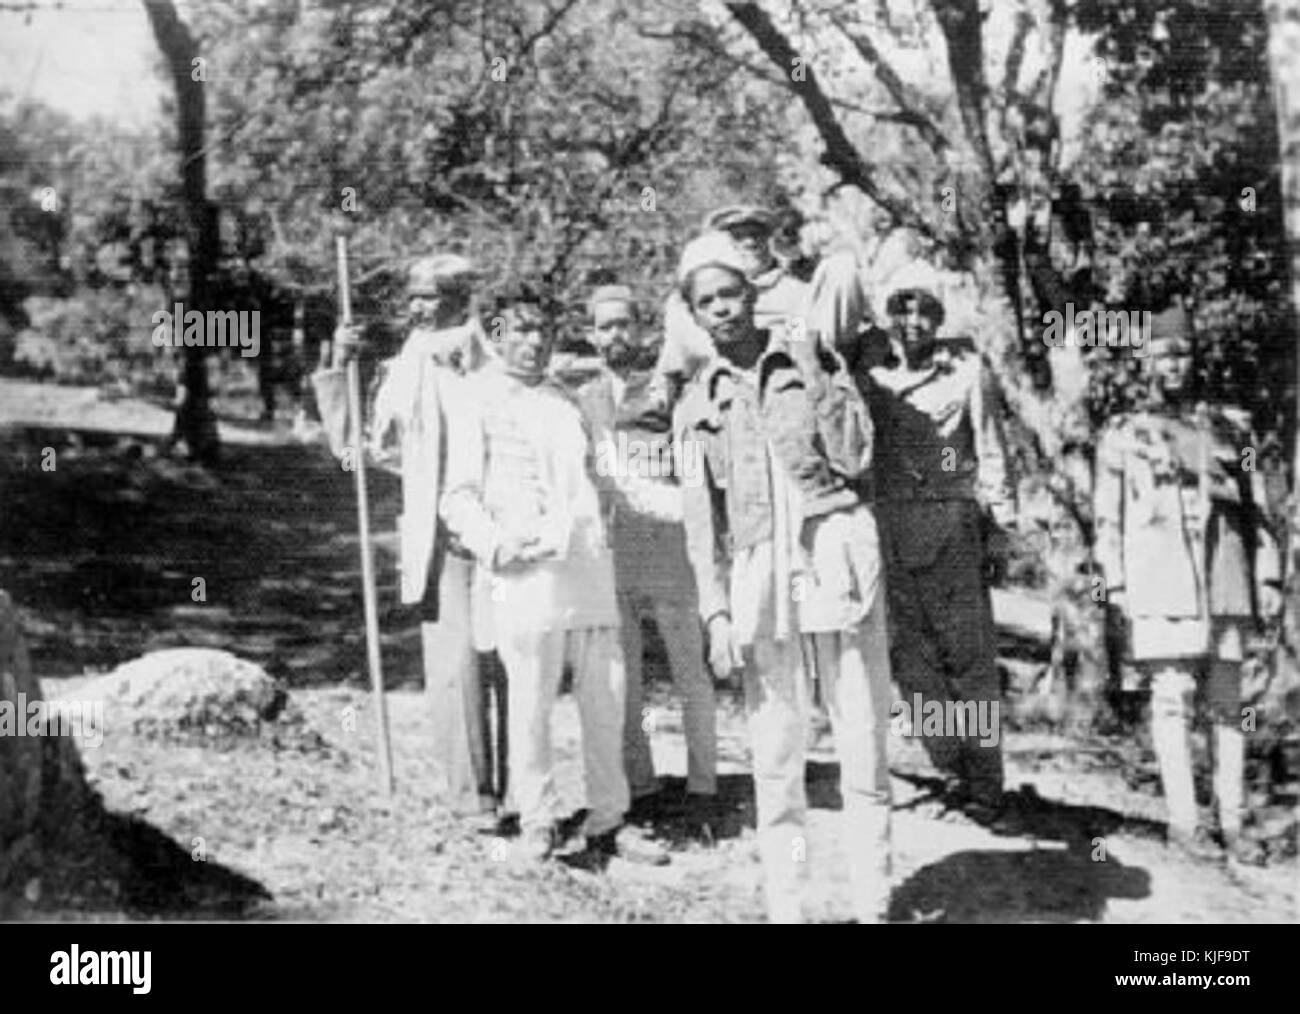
{"points": [[85, 58]]}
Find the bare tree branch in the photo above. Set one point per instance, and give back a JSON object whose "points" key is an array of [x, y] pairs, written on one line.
{"points": [[694, 35], [1043, 91], [1056, 45], [1016, 51], [554, 16], [911, 106], [840, 154], [1049, 285], [963, 33]]}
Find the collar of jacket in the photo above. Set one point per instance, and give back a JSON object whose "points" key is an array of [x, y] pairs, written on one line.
{"points": [[902, 380], [698, 407], [776, 353], [719, 366]]}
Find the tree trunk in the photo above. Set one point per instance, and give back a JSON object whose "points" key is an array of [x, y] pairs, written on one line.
{"points": [[1284, 65], [990, 249], [1053, 419], [195, 422], [44, 797]]}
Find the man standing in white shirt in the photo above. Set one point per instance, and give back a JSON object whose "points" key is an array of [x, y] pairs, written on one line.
{"points": [[519, 498]]}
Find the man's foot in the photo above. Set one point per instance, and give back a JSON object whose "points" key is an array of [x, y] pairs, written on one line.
{"points": [[507, 824], [1247, 851], [628, 843], [699, 802], [645, 810], [702, 814], [1002, 813], [1198, 843], [534, 845]]}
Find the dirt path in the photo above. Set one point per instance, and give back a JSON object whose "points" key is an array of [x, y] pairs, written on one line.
{"points": [[103, 552], [312, 829]]}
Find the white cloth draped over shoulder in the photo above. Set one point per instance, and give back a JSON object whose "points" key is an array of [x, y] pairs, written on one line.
{"points": [[408, 412]]}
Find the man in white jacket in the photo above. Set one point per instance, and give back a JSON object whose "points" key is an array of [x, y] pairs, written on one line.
{"points": [[519, 497], [444, 343]]}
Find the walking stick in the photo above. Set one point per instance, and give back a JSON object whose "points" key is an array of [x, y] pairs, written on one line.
{"points": [[363, 525], [1203, 494]]}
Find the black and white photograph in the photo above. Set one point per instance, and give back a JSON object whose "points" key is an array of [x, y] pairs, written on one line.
{"points": [[692, 462]]}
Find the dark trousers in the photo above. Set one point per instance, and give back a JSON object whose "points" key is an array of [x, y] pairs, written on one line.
{"points": [[941, 617]]}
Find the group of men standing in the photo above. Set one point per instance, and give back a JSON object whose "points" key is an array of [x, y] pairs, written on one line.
{"points": [[832, 493]]}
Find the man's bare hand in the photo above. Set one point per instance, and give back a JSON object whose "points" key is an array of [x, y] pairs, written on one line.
{"points": [[516, 552], [347, 343], [1271, 602]]}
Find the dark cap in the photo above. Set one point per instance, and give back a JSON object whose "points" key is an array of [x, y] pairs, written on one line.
{"points": [[1173, 329]]}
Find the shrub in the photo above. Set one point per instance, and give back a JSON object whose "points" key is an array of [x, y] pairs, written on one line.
{"points": [[97, 336]]}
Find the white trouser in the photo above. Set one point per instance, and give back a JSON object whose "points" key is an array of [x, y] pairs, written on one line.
{"points": [[534, 662], [854, 669], [454, 692], [679, 629], [1173, 696]]}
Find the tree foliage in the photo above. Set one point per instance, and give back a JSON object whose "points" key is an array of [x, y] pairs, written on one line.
{"points": [[1186, 197], [547, 142]]}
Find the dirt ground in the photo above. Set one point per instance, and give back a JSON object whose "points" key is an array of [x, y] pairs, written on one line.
{"points": [[102, 554]]}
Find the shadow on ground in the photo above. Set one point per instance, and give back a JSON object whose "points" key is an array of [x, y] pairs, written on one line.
{"points": [[1034, 885], [118, 551], [1047, 884], [164, 879], [1029, 815], [1037, 885], [105, 863]]}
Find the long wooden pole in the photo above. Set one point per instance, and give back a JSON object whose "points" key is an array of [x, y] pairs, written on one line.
{"points": [[363, 524]]}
